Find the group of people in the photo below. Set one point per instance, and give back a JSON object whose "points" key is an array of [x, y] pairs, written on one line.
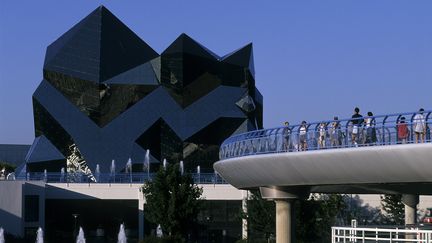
{"points": [[362, 131], [419, 127], [332, 131]]}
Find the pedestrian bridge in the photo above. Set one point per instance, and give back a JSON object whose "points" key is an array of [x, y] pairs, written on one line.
{"points": [[385, 156]]}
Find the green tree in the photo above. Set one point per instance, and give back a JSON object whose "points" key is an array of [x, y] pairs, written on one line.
{"points": [[172, 200], [8, 167], [394, 208], [316, 216], [261, 216]]}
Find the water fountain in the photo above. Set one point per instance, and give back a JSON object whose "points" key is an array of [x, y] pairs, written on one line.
{"points": [[97, 173], [45, 175], [164, 163], [2, 240], [147, 163], [39, 236], [80, 237], [129, 166], [121, 238], [62, 174], [199, 174], [215, 177], [113, 170], [181, 167]]}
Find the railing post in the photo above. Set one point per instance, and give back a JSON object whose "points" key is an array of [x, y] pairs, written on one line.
{"points": [[376, 234], [428, 134], [354, 230], [383, 129], [333, 235], [344, 235]]}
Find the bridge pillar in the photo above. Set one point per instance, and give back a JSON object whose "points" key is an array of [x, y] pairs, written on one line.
{"points": [[284, 230], [284, 199], [410, 201]]}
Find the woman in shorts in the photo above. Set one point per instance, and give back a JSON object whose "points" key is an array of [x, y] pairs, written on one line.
{"points": [[303, 136]]}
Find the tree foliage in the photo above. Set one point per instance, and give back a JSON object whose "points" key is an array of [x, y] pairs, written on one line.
{"points": [[260, 215], [363, 213], [8, 167], [394, 208], [172, 200], [316, 216]]}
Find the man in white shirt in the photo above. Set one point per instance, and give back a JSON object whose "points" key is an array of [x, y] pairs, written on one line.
{"points": [[419, 126], [303, 136]]}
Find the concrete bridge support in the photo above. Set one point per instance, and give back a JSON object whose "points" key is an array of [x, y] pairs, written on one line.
{"points": [[284, 229], [410, 201], [284, 200]]}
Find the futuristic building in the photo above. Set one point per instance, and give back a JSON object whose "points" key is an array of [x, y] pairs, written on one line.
{"points": [[107, 95]]}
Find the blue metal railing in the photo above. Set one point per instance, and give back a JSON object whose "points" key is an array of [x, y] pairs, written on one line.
{"points": [[135, 177], [332, 134]]}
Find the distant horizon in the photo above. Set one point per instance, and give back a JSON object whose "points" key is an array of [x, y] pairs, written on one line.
{"points": [[312, 61]]}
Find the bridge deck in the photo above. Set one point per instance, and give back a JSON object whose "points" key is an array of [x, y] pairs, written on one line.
{"points": [[368, 169]]}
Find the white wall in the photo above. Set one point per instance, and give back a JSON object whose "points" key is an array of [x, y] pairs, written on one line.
{"points": [[374, 200], [129, 191], [11, 206]]}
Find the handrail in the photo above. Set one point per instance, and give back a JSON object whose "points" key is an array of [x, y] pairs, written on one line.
{"points": [[117, 178], [382, 130], [364, 234]]}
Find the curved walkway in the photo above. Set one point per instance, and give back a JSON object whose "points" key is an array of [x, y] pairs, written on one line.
{"points": [[332, 134], [379, 162]]}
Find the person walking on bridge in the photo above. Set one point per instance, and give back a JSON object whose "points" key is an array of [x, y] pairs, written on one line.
{"points": [[322, 135], [356, 122], [335, 133], [287, 137], [402, 131], [371, 137], [419, 126], [303, 136]]}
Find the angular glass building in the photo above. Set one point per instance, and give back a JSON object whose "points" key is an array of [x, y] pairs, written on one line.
{"points": [[107, 95]]}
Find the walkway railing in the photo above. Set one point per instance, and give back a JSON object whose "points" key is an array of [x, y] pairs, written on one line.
{"points": [[58, 177], [355, 234], [333, 134]]}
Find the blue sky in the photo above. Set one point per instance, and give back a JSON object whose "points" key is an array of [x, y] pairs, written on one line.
{"points": [[313, 59]]}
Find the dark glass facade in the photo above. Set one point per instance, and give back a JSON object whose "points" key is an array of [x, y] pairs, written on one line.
{"points": [[31, 208], [107, 95]]}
